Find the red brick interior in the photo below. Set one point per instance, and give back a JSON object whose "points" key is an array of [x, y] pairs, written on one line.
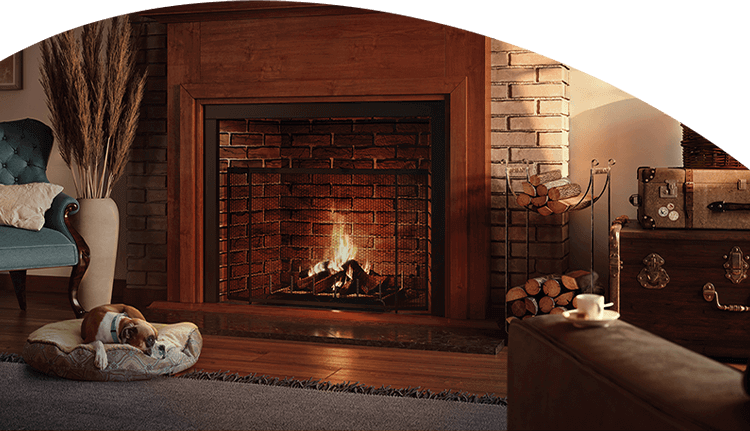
{"points": [[289, 188]]}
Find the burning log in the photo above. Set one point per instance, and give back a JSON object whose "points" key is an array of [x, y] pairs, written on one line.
{"points": [[329, 282], [368, 283], [306, 284], [349, 280], [318, 273]]}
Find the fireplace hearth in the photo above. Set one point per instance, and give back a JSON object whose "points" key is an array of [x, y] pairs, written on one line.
{"points": [[325, 204]]}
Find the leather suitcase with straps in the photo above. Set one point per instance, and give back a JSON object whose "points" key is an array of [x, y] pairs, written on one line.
{"points": [[680, 198]]}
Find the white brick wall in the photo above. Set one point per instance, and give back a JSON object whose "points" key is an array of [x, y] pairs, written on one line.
{"points": [[530, 121], [530, 105]]}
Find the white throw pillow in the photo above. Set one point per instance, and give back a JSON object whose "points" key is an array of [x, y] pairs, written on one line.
{"points": [[23, 205]]}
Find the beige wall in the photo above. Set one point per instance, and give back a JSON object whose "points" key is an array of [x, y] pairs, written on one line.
{"points": [[30, 102], [607, 123]]}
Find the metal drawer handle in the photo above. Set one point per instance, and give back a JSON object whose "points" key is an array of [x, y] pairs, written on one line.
{"points": [[710, 294]]}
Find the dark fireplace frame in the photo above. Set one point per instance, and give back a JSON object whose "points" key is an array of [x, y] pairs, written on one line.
{"points": [[435, 109]]}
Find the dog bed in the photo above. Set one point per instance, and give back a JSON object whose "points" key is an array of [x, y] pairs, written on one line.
{"points": [[57, 349]]}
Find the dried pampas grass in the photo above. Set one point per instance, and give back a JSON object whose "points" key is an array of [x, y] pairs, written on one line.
{"points": [[94, 95]]}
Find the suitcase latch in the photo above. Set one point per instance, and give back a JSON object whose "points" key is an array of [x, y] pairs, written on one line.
{"points": [[736, 265], [669, 190], [653, 276]]}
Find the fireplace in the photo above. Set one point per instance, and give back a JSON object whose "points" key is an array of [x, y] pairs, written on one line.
{"points": [[223, 57], [325, 204]]}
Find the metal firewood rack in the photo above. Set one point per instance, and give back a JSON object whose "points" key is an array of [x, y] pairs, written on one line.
{"points": [[524, 168]]}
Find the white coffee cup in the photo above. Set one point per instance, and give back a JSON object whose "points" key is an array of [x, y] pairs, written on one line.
{"points": [[590, 306]]}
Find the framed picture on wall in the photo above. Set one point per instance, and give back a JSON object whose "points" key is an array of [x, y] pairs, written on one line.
{"points": [[11, 72]]}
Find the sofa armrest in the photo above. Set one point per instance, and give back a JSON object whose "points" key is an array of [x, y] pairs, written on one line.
{"points": [[54, 218], [619, 377]]}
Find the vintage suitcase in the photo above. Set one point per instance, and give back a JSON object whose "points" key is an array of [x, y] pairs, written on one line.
{"points": [[688, 286], [682, 198]]}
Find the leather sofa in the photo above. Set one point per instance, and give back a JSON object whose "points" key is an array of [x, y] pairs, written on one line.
{"points": [[616, 377]]}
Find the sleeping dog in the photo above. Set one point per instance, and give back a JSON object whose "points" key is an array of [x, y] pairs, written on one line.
{"points": [[119, 324]]}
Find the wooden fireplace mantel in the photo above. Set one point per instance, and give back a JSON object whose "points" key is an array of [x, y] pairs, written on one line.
{"points": [[242, 10], [277, 52]]}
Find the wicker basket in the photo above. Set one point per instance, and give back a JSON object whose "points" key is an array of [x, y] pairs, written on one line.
{"points": [[699, 153]]}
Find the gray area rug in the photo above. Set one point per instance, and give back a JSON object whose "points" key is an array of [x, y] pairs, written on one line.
{"points": [[31, 400]]}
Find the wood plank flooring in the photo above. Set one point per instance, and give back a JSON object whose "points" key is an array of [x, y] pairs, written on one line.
{"points": [[398, 368]]}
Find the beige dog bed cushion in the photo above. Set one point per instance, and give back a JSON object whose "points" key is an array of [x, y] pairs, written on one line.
{"points": [[57, 349]]}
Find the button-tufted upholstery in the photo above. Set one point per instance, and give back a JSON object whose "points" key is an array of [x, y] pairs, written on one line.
{"points": [[25, 148]]}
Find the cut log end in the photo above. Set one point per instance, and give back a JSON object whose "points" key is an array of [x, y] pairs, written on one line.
{"points": [[531, 305], [544, 177], [515, 294], [563, 192], [518, 308], [534, 286], [551, 287]]}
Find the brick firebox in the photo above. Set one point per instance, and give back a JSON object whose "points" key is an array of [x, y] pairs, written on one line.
{"points": [[293, 190], [523, 97]]}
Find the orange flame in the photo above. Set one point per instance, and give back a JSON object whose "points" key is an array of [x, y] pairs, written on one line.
{"points": [[342, 250]]}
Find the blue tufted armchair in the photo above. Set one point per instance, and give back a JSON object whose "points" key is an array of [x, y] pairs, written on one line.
{"points": [[25, 147]]}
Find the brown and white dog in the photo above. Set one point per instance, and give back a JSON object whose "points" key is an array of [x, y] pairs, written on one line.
{"points": [[119, 324]]}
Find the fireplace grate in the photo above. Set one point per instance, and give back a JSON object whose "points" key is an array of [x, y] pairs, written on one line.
{"points": [[344, 237]]}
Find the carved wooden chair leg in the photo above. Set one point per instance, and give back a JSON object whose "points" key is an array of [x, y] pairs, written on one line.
{"points": [[76, 274], [19, 284]]}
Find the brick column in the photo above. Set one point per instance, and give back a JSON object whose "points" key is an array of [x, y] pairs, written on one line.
{"points": [[530, 121], [146, 219]]}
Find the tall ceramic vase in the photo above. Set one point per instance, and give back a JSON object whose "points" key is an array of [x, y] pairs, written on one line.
{"points": [[98, 222]]}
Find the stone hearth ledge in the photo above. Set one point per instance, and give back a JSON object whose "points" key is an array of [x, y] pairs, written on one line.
{"points": [[375, 329]]}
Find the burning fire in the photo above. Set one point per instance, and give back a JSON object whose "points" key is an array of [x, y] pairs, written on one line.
{"points": [[342, 251], [341, 275]]}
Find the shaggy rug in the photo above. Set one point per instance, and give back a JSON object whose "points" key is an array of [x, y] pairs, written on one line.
{"points": [[31, 400]]}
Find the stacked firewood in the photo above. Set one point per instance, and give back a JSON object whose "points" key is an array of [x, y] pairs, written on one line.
{"points": [[549, 193], [552, 294]]}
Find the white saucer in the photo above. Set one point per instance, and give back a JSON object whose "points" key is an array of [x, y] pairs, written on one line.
{"points": [[608, 317]]}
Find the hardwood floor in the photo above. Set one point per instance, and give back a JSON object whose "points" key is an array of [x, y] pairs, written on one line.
{"points": [[398, 368]]}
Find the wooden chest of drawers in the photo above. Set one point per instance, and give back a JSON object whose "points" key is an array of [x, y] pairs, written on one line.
{"points": [[688, 286]]}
